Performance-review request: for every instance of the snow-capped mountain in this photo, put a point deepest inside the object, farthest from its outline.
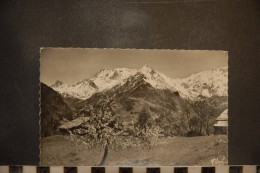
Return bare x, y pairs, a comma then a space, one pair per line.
160, 81
207, 83
103, 80
134, 93
108, 78
81, 90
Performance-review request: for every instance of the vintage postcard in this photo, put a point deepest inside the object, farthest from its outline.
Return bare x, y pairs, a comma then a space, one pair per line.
133, 107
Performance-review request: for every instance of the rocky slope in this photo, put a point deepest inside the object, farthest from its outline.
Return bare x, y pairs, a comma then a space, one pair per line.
133, 95
53, 111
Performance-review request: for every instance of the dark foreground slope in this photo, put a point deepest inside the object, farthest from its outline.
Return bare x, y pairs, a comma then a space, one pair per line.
53, 110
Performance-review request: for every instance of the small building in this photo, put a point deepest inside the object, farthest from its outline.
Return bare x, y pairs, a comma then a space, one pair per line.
221, 125
74, 124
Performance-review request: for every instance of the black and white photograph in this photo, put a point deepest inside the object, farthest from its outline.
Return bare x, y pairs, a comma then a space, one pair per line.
133, 107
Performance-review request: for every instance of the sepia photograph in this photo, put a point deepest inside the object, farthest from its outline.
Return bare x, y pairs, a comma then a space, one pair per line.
133, 107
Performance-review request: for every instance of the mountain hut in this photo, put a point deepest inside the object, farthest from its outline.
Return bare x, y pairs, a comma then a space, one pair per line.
74, 124
221, 125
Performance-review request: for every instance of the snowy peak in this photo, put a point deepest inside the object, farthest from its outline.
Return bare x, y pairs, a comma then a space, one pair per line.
149, 72
206, 83
107, 74
146, 69
161, 81
108, 78
81, 90
117, 73
87, 83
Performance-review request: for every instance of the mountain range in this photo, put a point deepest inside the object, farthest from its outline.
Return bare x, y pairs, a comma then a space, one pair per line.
208, 83
132, 90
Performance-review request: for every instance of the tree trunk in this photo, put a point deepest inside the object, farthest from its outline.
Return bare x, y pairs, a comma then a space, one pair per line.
104, 156
200, 127
207, 131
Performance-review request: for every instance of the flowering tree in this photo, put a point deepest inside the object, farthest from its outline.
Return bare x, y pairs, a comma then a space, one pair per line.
145, 118
149, 131
107, 128
105, 125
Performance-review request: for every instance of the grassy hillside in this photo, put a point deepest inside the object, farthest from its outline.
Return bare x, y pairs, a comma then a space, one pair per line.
201, 150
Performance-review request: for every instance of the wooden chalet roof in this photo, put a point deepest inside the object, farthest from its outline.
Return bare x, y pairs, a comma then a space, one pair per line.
223, 116
222, 120
74, 123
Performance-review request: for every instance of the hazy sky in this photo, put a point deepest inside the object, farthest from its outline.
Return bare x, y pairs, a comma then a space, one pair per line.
71, 65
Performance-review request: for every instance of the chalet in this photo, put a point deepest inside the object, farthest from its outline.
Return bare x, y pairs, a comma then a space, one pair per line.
74, 124
221, 125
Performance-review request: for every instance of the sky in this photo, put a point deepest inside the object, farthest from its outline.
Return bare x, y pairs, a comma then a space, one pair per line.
71, 65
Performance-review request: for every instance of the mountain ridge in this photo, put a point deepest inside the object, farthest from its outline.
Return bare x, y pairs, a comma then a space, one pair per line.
207, 83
